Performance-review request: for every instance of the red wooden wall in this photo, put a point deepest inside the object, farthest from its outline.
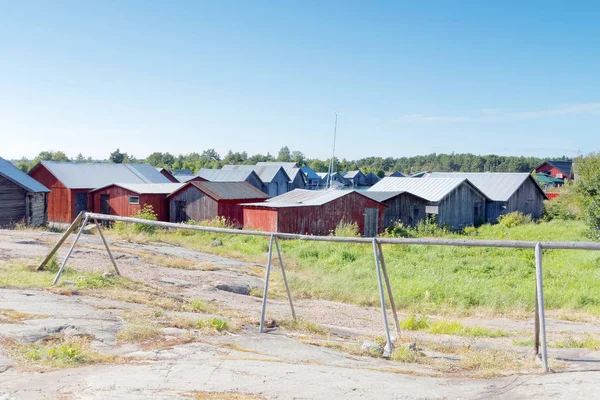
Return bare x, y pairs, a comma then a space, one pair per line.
61, 204
119, 202
549, 169
313, 220
233, 212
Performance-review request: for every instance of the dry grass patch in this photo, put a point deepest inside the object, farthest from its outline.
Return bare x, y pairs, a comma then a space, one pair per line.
303, 326
138, 333
8, 316
172, 262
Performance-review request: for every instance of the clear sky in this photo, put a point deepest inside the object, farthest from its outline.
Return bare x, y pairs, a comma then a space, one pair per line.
405, 78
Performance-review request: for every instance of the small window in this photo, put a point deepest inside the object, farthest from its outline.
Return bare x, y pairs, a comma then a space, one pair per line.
134, 199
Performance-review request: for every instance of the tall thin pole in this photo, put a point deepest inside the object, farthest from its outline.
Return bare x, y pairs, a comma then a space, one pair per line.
266, 291
332, 155
540, 298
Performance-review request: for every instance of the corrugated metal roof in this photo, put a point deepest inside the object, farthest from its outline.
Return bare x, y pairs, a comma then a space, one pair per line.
184, 178
431, 189
228, 190
309, 172
15, 175
94, 175
395, 174
221, 175
304, 198
181, 172
266, 173
380, 196
420, 174
498, 186
351, 174
147, 188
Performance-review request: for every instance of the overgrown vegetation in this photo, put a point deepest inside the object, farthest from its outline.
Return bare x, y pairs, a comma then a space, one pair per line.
58, 351
346, 229
431, 279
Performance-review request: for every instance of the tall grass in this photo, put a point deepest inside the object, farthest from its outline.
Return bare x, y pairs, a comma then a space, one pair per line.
432, 279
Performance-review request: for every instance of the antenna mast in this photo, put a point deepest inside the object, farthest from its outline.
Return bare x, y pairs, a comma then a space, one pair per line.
329, 180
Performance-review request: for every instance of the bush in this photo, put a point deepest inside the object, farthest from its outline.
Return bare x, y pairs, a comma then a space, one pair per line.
514, 219
470, 231
399, 230
590, 191
430, 228
559, 209
147, 213
346, 229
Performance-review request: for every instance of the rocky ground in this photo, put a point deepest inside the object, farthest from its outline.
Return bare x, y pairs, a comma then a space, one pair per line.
321, 359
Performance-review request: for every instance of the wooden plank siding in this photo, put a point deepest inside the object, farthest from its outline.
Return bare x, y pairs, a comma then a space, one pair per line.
61, 204
119, 202
527, 200
18, 205
278, 185
462, 207
405, 208
313, 220
298, 182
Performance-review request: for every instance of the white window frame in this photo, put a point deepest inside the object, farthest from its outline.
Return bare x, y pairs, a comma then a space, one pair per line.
131, 201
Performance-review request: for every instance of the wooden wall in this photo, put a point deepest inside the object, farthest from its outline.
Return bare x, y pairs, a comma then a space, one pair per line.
18, 205
255, 181
119, 202
528, 199
315, 220
406, 208
298, 182
278, 185
458, 209
60, 207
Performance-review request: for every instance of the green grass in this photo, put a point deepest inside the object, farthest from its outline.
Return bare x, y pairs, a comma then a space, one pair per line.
215, 323
430, 279
443, 327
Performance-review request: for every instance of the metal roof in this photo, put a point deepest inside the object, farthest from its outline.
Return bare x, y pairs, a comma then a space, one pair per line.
181, 172
94, 175
351, 174
498, 186
420, 174
184, 178
395, 174
545, 179
381, 196
304, 198
310, 173
221, 175
18, 177
266, 173
227, 190
146, 188
430, 189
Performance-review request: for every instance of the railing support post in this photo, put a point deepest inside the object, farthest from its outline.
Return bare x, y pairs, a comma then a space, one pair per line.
389, 289
285, 281
62, 267
387, 352
112, 259
62, 239
266, 290
540, 301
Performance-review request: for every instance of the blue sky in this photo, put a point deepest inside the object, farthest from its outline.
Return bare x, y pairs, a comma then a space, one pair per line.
405, 78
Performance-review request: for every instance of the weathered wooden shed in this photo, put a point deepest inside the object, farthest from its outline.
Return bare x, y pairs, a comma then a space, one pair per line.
126, 199
312, 179
508, 192
22, 198
401, 207
275, 180
455, 202
70, 183
371, 179
219, 175
297, 176
355, 178
315, 212
557, 169
200, 201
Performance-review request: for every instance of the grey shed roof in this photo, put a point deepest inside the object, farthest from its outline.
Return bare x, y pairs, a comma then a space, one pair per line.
181, 172
304, 198
498, 186
395, 174
220, 175
285, 165
266, 173
94, 175
351, 174
430, 189
184, 178
227, 190
147, 188
383, 196
310, 173
20, 178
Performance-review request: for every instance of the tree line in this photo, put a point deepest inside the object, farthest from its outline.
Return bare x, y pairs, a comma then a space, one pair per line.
379, 165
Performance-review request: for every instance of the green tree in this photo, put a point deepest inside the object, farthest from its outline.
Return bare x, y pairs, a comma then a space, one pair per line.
24, 165
588, 189
284, 154
80, 158
117, 157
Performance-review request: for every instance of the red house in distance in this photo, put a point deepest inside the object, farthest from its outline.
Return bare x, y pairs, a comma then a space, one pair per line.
557, 169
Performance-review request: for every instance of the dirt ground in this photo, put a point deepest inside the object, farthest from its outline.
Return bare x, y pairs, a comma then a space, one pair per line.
280, 364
